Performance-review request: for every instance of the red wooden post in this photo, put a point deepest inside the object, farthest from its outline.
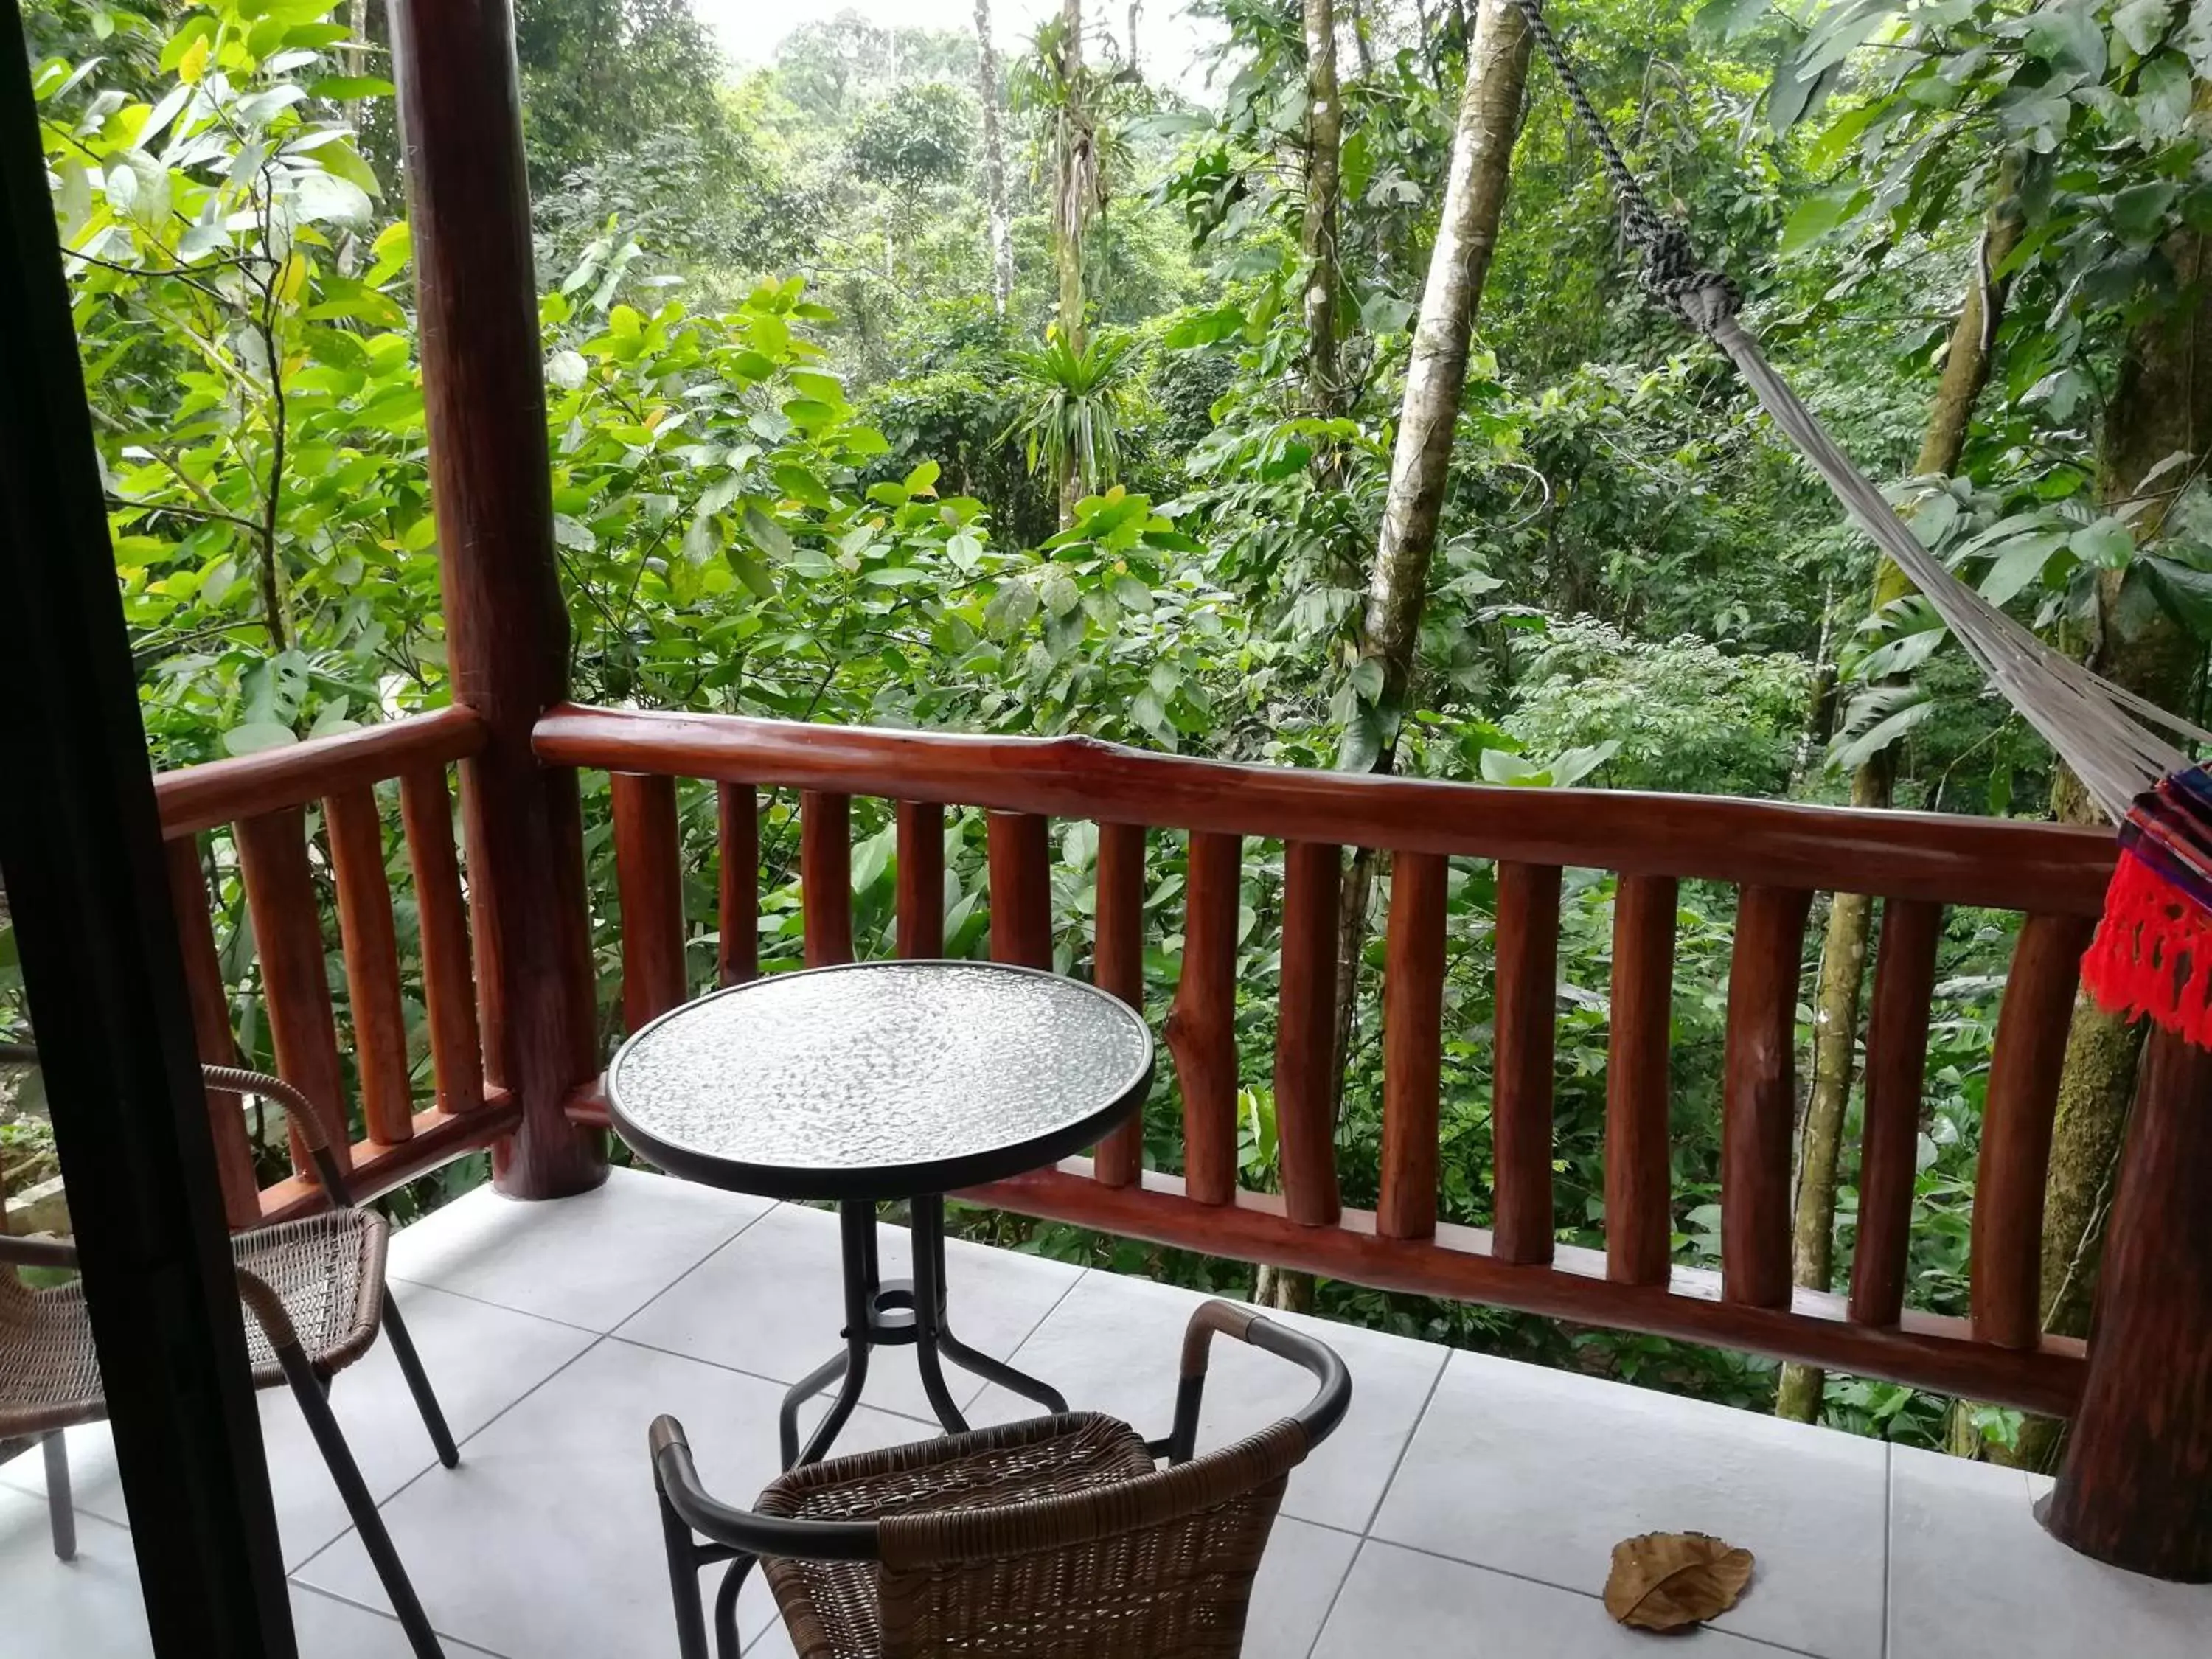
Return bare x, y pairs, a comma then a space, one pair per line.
1118, 967
506, 629
1305, 1034
456, 1051
736, 812
372, 959
1759, 1095
1018, 846
2136, 1487
826, 877
2004, 1263
1896, 1077
921, 878
288, 937
1638, 1169
216, 1043
1528, 947
1412, 1044
1201, 1024
649, 874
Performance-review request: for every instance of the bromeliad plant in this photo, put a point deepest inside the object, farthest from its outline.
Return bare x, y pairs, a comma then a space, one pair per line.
1075, 400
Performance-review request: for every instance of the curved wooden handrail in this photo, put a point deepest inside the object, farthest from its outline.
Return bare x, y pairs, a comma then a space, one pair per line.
196, 797
2046, 868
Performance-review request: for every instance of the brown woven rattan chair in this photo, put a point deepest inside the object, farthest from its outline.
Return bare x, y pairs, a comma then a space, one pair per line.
316, 1289
1057, 1538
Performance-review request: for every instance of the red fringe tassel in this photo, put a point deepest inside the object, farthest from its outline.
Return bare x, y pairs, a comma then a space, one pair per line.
2153, 953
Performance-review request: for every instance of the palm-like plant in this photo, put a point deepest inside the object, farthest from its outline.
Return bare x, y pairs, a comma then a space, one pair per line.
1074, 399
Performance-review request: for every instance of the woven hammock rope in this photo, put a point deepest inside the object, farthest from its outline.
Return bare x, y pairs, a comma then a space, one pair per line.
2152, 950
2111, 737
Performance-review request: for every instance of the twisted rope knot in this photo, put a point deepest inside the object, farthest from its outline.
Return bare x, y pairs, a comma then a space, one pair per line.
1701, 297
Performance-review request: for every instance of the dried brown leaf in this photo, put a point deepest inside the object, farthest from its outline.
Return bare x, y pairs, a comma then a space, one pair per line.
1670, 1580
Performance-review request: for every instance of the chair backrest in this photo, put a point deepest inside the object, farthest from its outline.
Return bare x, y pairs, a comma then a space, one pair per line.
1147, 1566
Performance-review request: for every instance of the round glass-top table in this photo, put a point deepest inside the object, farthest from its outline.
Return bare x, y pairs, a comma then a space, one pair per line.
881, 1080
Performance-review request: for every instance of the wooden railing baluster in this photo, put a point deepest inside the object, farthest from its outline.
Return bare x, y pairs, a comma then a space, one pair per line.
1412, 1044
1638, 1177
1527, 951
356, 826
825, 875
1118, 967
921, 878
213, 1038
426, 810
2005, 1260
288, 937
1758, 1090
1896, 1070
1305, 1034
1201, 1024
649, 881
737, 818
1019, 846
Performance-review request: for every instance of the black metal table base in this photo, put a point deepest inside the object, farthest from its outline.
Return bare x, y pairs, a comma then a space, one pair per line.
900, 1312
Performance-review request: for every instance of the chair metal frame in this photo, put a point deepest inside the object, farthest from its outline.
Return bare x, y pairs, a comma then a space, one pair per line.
739, 1537
307, 1376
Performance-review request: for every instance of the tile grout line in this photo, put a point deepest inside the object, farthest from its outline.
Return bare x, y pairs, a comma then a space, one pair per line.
670, 1286
319, 1592
759, 1376
1570, 1590
553, 1319
1398, 1462
1888, 1537
1336, 1595
1015, 1352
474, 1434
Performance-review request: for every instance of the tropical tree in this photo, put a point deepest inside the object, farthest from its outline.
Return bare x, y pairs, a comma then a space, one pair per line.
1076, 398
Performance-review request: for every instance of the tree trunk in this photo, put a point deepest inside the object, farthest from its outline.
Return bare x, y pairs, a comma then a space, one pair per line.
1843, 951
1000, 228
2161, 403
1135, 7
1071, 208
1436, 374
1363, 41
1317, 232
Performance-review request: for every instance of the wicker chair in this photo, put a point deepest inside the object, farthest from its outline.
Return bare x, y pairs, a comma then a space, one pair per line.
1057, 1538
316, 1289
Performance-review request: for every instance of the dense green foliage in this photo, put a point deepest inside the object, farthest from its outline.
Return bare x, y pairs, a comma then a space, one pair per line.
803, 466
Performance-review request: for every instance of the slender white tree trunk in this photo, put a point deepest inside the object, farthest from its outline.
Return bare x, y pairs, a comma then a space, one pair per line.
1317, 234
1436, 374
1000, 227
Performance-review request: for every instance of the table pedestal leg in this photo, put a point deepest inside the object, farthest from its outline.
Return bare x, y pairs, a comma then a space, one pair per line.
933, 1337
893, 1313
856, 1224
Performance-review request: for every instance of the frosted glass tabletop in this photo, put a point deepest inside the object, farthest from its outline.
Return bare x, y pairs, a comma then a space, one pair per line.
879, 1079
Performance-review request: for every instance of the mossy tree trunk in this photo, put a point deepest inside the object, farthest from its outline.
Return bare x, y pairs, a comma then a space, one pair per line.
2161, 403
998, 227
1488, 123
1851, 915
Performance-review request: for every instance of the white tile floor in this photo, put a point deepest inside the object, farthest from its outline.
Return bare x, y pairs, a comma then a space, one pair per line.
1465, 1511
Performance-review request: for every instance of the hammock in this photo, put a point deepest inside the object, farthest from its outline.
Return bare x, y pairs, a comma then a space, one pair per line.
2153, 950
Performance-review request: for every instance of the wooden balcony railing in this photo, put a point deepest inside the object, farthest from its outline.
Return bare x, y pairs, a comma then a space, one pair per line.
2132, 1491
1777, 856
250, 815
